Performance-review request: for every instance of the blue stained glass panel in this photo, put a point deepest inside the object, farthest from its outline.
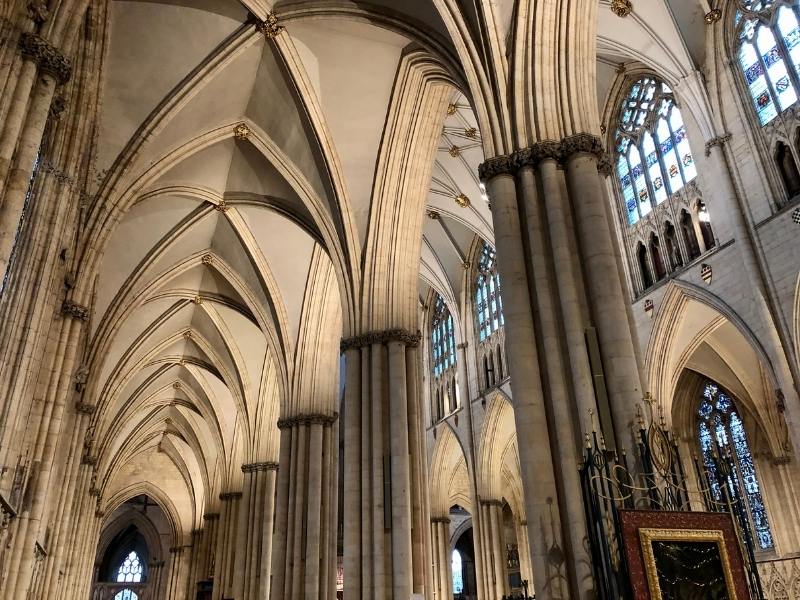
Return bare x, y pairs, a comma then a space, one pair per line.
721, 433
757, 83
790, 30
776, 67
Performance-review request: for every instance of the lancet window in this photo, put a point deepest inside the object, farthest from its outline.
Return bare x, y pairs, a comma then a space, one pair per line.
488, 304
653, 158
443, 341
729, 461
768, 38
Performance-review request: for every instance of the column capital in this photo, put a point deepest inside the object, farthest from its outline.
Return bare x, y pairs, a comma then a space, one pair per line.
211, 516
444, 520
259, 466
582, 143
75, 310
536, 153
720, 140
225, 496
492, 502
499, 165
381, 337
176, 550
49, 58
310, 419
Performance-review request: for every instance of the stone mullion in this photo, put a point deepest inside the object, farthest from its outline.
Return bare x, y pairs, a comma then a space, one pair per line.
536, 463
63, 509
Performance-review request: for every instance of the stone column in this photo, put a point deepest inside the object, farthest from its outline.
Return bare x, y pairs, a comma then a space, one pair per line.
255, 530
299, 561
384, 487
607, 299
558, 394
55, 385
493, 509
226, 545
443, 576
530, 411
176, 584
53, 68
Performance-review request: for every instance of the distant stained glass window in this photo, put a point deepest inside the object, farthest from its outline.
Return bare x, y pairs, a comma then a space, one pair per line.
488, 304
722, 437
443, 342
653, 158
130, 571
768, 35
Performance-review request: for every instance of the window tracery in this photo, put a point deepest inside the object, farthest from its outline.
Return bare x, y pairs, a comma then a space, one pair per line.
653, 158
722, 437
768, 50
443, 341
131, 569
488, 304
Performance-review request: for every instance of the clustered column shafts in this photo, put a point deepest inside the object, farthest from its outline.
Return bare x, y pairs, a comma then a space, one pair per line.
442, 566
304, 554
385, 511
543, 220
226, 545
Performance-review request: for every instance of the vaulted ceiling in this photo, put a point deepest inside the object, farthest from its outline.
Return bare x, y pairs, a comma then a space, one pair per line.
244, 187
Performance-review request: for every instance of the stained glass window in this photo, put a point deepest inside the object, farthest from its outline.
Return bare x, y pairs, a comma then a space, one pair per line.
653, 156
458, 573
443, 341
130, 571
126, 595
722, 438
769, 54
488, 304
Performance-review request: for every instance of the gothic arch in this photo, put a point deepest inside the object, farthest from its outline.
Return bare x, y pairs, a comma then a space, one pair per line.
696, 331
449, 479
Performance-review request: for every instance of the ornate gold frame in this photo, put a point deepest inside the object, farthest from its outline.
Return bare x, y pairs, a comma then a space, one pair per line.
648, 536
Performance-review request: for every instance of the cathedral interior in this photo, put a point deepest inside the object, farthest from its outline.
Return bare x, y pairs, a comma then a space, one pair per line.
430, 299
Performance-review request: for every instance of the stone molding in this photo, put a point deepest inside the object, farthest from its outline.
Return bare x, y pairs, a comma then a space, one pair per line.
88, 459
492, 503
176, 550
717, 141
94, 492
225, 496
74, 310
85, 408
211, 516
381, 337
259, 466
49, 58
444, 520
312, 419
561, 152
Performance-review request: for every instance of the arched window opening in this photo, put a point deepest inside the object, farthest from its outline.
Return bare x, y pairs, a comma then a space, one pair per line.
673, 251
492, 378
130, 571
458, 572
443, 344
486, 372
769, 55
126, 594
723, 441
787, 168
653, 157
488, 304
499, 364
690, 235
704, 220
644, 269
655, 256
